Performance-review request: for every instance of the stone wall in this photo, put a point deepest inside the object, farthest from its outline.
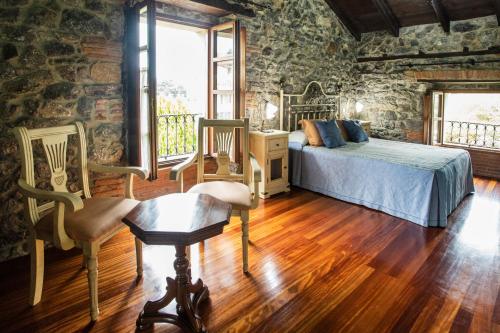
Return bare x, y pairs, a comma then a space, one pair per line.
290, 43
392, 99
60, 61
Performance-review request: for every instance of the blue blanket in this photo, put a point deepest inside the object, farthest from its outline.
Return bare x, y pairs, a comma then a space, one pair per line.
422, 184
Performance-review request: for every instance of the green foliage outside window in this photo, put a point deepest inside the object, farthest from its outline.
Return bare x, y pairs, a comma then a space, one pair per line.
176, 128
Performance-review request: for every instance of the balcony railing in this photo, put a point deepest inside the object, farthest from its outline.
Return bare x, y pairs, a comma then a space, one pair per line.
176, 135
472, 134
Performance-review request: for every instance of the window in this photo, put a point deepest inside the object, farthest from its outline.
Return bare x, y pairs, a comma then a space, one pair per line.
178, 70
470, 119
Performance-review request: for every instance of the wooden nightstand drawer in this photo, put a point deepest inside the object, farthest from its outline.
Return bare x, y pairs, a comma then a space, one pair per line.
277, 144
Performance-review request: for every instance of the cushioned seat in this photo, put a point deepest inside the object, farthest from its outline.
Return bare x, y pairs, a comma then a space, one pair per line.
99, 218
237, 194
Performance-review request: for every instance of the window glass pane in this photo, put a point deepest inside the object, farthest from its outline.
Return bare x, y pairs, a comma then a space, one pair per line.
143, 60
436, 135
223, 106
436, 104
182, 74
224, 43
143, 27
472, 119
224, 75
143, 86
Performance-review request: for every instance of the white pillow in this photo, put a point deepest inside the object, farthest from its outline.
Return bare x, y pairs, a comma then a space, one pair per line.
298, 137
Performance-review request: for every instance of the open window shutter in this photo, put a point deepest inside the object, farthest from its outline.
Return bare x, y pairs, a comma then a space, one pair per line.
133, 87
141, 85
153, 129
428, 119
436, 126
226, 75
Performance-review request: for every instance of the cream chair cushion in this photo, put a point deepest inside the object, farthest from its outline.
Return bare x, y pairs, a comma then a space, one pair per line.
99, 218
237, 194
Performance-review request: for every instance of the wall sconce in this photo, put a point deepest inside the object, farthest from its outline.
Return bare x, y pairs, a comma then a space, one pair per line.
359, 107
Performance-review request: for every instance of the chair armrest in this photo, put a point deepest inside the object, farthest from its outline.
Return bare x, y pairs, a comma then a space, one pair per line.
257, 177
73, 201
176, 171
138, 171
257, 173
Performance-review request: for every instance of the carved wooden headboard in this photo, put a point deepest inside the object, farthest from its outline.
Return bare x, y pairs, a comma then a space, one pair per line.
313, 103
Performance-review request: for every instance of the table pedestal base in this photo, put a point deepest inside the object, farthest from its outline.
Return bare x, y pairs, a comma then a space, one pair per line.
179, 289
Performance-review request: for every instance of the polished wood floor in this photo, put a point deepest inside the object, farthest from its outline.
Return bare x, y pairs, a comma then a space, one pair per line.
317, 265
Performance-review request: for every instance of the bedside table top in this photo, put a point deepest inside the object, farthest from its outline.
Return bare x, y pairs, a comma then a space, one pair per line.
270, 134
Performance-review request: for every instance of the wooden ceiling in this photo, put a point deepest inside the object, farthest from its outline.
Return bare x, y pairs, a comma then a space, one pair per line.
361, 16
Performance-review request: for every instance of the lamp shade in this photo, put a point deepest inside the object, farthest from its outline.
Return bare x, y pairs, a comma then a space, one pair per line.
271, 110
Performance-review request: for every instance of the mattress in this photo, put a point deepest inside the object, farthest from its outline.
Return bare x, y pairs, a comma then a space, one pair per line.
419, 183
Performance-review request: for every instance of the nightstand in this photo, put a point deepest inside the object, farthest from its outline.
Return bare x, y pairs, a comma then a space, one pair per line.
271, 151
367, 126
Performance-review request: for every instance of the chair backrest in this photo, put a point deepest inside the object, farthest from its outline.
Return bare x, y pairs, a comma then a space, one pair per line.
55, 145
223, 134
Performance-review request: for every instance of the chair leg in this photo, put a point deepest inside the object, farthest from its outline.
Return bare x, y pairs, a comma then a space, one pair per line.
84, 262
244, 238
37, 267
138, 255
90, 251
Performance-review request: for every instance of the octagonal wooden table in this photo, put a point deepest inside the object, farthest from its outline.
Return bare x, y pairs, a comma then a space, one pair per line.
180, 220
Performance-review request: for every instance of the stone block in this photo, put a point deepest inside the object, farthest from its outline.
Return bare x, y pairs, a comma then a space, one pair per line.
17, 85
85, 106
106, 152
16, 33
102, 49
56, 109
9, 51
40, 16
32, 56
82, 22
59, 90
57, 48
106, 72
9, 14
106, 90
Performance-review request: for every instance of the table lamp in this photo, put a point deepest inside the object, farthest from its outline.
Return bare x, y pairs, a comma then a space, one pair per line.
270, 111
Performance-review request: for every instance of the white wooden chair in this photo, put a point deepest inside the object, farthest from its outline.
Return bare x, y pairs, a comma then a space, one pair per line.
240, 190
67, 220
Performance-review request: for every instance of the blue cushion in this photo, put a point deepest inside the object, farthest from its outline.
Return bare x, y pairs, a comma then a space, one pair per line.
330, 133
355, 131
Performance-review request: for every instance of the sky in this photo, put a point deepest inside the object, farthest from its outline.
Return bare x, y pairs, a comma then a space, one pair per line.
181, 57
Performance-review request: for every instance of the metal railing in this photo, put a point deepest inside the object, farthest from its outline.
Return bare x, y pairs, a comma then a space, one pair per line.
176, 135
472, 134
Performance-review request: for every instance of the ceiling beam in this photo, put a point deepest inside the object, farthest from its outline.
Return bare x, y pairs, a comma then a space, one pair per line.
497, 9
390, 19
441, 14
346, 20
234, 8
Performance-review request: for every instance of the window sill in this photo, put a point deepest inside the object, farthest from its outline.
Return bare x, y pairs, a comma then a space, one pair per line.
171, 163
480, 149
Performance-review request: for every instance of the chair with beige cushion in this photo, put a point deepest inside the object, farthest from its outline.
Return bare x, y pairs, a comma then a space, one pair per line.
238, 189
67, 219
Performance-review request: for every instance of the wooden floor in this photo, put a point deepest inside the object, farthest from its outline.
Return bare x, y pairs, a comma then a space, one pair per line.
317, 265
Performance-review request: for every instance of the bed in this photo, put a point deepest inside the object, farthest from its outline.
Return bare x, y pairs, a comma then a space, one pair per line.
419, 183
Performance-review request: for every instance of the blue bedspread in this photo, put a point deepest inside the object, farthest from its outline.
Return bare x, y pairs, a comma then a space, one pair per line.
422, 184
